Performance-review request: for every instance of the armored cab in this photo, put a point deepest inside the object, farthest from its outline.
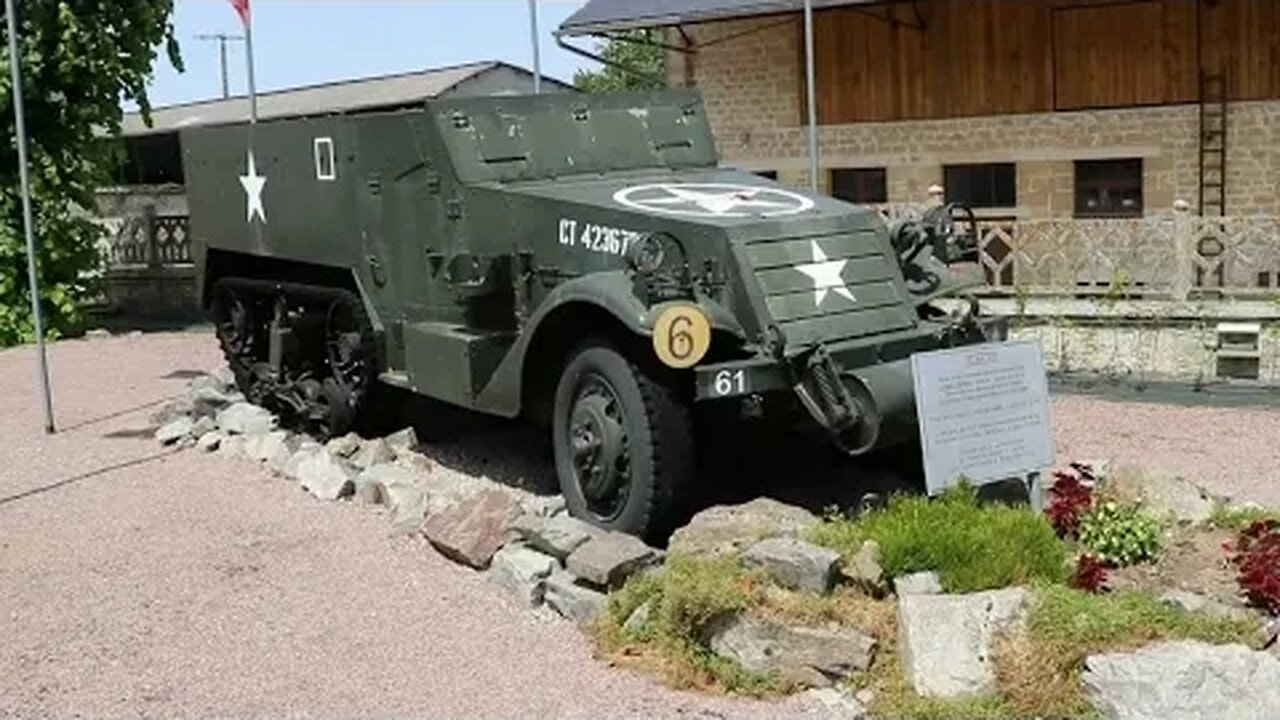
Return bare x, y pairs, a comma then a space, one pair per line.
578, 260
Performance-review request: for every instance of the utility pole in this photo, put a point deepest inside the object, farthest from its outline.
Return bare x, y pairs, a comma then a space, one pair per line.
223, 39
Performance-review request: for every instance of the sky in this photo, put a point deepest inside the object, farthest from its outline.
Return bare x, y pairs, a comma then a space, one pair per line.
301, 42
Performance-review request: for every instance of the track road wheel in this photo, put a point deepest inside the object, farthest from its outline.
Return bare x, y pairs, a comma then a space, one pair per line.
234, 326
623, 443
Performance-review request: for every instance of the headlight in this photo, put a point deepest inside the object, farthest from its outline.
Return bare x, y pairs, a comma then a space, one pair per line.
647, 253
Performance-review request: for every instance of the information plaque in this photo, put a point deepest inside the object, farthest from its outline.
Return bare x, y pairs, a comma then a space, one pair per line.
983, 413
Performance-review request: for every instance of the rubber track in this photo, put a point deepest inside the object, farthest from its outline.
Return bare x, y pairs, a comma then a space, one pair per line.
260, 289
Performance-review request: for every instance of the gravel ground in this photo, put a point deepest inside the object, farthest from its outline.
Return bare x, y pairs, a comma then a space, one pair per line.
1232, 451
140, 583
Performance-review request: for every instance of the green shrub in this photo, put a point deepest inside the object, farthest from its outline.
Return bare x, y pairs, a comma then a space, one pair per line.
971, 545
1239, 518
683, 597
1120, 533
1038, 674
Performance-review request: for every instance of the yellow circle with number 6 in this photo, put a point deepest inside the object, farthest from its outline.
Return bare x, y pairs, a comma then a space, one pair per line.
681, 336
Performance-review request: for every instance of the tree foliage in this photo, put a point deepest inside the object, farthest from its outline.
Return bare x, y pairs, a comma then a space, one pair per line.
632, 52
79, 60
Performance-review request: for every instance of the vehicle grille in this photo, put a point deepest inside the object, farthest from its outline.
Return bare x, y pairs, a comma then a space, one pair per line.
867, 274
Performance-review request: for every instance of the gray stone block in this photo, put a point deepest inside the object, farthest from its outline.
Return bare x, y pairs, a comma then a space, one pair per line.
794, 564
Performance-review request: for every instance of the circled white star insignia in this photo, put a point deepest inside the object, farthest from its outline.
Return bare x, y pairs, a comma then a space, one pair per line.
712, 200
825, 275
253, 183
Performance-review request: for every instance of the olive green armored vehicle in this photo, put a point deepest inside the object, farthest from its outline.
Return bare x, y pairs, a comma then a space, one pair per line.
578, 260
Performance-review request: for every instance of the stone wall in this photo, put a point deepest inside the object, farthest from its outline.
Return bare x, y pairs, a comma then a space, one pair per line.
1140, 341
752, 78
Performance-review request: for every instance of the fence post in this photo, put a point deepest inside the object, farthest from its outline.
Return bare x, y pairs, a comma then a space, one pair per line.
1183, 230
152, 247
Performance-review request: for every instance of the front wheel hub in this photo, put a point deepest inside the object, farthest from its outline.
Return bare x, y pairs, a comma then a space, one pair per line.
597, 440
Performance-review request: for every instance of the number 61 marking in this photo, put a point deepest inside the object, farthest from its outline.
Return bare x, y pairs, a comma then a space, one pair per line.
730, 382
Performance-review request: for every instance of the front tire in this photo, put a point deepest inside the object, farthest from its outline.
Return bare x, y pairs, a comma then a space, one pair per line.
623, 443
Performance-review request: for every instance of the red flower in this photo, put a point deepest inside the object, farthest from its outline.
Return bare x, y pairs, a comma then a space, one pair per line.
1256, 555
1091, 574
1068, 500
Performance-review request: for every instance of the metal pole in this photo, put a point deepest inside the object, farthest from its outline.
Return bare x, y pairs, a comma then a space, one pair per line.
533, 39
253, 89
222, 55
811, 95
223, 39
28, 226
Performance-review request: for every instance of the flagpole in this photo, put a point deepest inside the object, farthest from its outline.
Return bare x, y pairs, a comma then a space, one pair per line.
27, 225
533, 39
248, 48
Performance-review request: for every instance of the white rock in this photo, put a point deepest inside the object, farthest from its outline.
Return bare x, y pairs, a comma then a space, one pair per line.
609, 559
557, 536
267, 445
726, 529
794, 564
815, 656
921, 583
244, 418
1184, 680
210, 441
638, 618
202, 426
1191, 602
946, 640
174, 431
403, 442
372, 452
325, 476
398, 488
345, 446
573, 601
231, 445
838, 701
521, 572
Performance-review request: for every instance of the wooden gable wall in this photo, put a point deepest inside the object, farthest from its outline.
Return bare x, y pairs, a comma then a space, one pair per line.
988, 57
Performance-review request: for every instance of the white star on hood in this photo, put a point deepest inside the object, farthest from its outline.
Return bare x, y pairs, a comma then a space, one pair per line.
825, 275
253, 183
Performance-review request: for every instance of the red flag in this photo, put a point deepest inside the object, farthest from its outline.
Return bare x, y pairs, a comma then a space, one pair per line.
242, 7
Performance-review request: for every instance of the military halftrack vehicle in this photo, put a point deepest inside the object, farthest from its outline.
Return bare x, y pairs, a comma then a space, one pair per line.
578, 260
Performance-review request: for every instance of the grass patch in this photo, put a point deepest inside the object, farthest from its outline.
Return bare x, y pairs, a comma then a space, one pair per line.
1239, 518
971, 545
1039, 674
686, 594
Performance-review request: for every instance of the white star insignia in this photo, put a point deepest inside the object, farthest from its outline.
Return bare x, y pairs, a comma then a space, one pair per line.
825, 275
253, 183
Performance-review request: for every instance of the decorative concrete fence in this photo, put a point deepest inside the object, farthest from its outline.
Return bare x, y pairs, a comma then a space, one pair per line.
1173, 255
146, 254
1167, 297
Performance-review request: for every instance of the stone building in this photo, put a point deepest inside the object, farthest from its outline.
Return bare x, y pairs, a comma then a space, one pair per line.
1123, 153
1026, 108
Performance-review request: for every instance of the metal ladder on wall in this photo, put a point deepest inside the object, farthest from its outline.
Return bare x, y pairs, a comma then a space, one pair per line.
1213, 144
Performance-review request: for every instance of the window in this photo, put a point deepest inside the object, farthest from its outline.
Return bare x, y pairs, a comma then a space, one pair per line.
982, 186
325, 169
770, 174
1109, 188
864, 186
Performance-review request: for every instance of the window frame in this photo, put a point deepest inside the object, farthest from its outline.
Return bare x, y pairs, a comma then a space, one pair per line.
949, 173
1080, 186
333, 163
860, 178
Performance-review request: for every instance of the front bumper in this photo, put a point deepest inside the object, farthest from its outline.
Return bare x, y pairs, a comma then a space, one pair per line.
861, 393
